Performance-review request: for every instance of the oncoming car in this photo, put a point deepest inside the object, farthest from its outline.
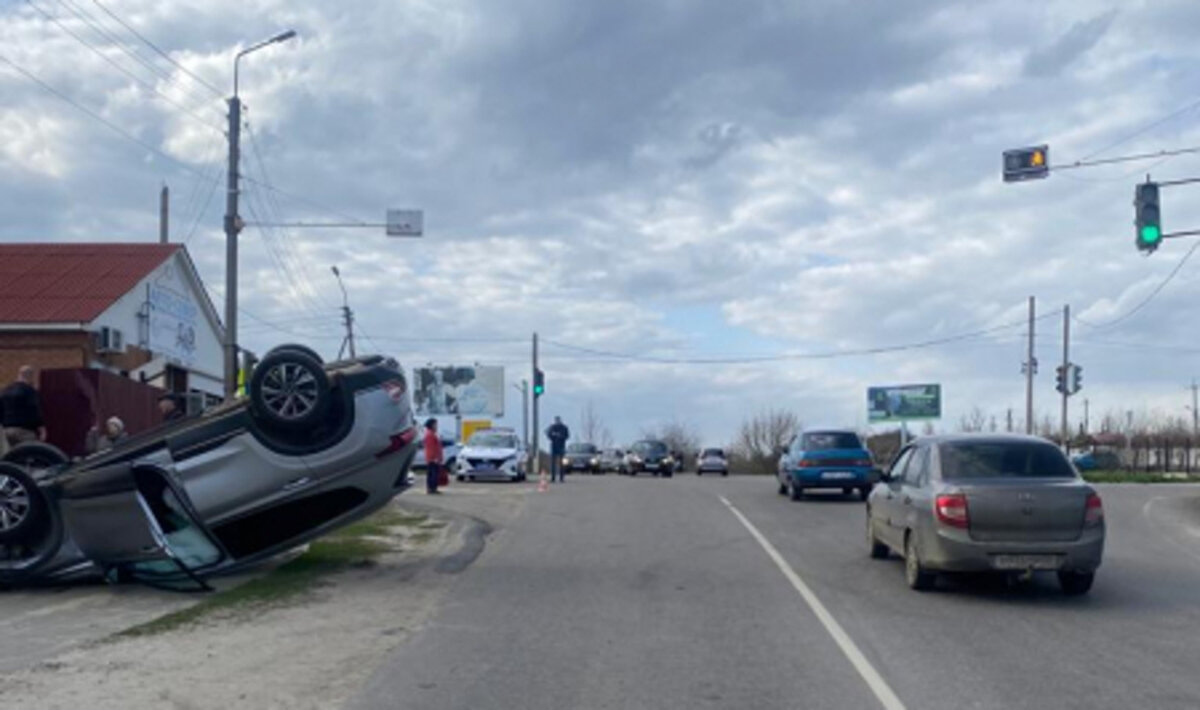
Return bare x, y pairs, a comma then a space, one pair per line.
582, 457
987, 503
495, 454
649, 456
312, 448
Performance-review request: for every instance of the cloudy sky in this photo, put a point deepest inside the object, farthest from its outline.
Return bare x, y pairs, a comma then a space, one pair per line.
705, 209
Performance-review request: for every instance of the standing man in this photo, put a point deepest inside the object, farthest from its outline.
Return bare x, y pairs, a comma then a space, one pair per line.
558, 433
433, 456
21, 410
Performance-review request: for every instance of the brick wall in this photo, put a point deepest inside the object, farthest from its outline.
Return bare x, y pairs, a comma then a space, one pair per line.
43, 350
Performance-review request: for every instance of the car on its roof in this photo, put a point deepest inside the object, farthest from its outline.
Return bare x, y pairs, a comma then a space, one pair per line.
1008, 504
311, 448
831, 459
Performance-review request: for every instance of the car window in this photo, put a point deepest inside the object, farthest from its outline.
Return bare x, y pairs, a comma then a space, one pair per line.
712, 452
493, 440
650, 447
897, 470
581, 449
830, 440
917, 471
1003, 459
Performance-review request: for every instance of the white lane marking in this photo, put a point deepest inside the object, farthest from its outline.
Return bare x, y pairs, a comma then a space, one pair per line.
887, 698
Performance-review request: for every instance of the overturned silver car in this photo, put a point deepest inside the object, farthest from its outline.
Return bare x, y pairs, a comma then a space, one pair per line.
313, 447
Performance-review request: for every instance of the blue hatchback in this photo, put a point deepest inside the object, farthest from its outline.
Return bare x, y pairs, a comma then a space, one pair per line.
829, 459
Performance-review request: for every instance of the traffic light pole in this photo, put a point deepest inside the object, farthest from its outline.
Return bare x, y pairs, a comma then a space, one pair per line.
535, 458
1030, 367
1066, 390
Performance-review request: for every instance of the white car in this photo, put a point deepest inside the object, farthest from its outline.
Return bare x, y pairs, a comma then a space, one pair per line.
494, 454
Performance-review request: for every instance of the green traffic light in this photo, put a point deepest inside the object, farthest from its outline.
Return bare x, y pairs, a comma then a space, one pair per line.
1151, 234
539, 390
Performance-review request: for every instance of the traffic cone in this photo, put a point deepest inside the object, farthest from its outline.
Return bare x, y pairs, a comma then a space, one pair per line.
543, 484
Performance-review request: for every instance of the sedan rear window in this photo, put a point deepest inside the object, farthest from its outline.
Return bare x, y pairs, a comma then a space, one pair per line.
581, 449
830, 440
712, 452
1003, 459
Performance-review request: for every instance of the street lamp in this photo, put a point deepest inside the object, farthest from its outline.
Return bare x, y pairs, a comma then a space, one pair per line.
233, 223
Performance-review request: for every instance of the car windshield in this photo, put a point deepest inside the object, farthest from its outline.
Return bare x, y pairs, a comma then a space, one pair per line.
581, 449
1003, 459
712, 452
656, 448
493, 440
830, 440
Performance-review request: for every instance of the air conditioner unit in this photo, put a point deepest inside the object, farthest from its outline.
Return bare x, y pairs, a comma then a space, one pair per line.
110, 340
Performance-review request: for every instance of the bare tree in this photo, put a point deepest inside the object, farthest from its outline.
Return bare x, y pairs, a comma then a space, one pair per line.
760, 437
973, 421
591, 428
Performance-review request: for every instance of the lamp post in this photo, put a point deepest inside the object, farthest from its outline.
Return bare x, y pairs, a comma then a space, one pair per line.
233, 223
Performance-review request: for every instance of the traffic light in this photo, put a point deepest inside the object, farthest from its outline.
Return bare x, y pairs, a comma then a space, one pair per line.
1031, 163
1148, 217
539, 383
1076, 378
1060, 379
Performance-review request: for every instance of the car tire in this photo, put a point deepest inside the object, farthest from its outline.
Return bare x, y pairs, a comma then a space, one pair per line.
795, 492
879, 551
915, 574
289, 390
1076, 584
295, 348
725, 472
35, 456
461, 478
23, 509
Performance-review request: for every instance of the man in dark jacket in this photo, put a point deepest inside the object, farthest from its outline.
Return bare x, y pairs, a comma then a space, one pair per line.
21, 410
558, 433
171, 406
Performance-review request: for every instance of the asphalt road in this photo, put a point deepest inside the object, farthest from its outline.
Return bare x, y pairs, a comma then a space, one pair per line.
613, 592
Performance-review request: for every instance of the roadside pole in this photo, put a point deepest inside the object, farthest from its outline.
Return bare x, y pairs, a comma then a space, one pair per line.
535, 458
1066, 390
525, 411
1029, 368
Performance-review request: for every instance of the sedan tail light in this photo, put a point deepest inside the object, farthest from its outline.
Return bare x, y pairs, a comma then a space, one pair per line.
808, 463
951, 509
864, 463
1094, 514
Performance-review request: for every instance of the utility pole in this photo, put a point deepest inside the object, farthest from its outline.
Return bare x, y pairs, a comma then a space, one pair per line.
347, 316
1010, 421
1087, 429
1030, 369
525, 410
164, 207
232, 227
533, 435
1066, 364
1195, 412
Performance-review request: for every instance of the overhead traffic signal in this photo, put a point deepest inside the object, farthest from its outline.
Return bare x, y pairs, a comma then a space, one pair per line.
1060, 379
539, 383
1148, 221
1026, 163
1076, 379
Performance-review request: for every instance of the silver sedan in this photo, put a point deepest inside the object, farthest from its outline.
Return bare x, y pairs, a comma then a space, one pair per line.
977, 503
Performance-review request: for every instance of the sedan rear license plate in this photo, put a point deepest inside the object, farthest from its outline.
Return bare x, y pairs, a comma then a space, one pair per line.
836, 475
1021, 562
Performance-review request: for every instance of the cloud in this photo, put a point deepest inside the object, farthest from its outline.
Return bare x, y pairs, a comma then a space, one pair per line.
1074, 43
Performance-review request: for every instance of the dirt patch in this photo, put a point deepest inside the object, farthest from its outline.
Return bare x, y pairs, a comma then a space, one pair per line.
304, 636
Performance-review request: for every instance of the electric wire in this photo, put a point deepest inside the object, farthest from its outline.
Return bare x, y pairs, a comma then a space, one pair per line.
156, 49
1145, 301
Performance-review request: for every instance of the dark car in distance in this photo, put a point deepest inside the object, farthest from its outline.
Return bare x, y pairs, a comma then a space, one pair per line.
582, 457
650, 456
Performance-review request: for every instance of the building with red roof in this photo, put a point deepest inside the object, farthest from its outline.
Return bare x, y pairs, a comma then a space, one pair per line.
139, 310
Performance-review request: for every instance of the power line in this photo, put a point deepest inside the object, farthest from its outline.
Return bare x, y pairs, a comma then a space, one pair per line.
305, 200
1158, 289
160, 52
833, 354
122, 69
1145, 129
127, 135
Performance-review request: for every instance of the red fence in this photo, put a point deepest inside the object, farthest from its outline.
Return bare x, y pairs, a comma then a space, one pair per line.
74, 400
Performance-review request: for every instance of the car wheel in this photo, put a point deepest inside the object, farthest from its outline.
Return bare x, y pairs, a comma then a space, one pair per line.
699, 472
295, 348
879, 551
290, 390
795, 492
725, 472
23, 510
915, 574
461, 478
1076, 583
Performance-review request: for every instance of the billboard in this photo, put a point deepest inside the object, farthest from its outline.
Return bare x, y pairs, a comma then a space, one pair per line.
174, 318
904, 403
476, 390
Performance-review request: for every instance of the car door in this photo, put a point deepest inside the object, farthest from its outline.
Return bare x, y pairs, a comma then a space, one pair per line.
883, 509
913, 500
